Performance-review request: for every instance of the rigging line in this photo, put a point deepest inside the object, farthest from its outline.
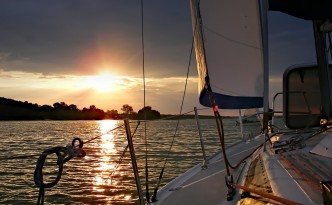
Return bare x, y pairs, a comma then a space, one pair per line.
203, 108
37, 155
177, 124
122, 155
178, 115
174, 116
144, 93
98, 137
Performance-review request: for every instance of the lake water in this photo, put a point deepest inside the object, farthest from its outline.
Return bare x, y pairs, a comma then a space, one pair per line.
96, 178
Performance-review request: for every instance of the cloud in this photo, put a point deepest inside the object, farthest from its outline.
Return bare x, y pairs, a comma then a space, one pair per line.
48, 48
161, 93
77, 37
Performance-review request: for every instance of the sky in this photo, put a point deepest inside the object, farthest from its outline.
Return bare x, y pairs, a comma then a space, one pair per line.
87, 52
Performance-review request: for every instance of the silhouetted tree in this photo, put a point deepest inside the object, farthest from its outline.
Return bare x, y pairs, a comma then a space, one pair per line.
72, 107
148, 113
113, 114
127, 109
17, 110
46, 108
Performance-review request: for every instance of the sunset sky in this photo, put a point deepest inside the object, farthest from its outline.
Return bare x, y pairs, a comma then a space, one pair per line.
87, 52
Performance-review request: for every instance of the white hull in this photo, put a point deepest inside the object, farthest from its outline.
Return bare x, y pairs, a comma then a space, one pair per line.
272, 174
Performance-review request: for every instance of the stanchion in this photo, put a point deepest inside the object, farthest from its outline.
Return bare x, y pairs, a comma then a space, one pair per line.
133, 161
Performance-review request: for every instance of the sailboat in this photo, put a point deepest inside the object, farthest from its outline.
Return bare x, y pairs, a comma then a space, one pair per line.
249, 116
279, 166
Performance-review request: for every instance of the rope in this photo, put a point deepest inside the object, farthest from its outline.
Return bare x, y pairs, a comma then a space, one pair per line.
64, 154
178, 115
222, 140
267, 195
36, 155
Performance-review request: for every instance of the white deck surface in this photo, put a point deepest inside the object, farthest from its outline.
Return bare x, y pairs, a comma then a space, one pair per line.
204, 186
207, 186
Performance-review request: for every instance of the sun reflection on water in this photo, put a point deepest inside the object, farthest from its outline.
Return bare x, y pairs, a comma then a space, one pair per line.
107, 161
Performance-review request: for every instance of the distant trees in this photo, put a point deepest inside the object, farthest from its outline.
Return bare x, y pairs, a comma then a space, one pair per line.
145, 113
93, 113
61, 105
148, 113
17, 110
127, 109
113, 114
46, 108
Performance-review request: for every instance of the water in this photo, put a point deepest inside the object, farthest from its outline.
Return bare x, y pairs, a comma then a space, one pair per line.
95, 179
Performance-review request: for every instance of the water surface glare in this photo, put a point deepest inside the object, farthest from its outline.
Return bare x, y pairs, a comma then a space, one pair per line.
102, 176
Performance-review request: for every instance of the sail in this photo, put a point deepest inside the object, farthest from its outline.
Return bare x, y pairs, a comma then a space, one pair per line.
228, 52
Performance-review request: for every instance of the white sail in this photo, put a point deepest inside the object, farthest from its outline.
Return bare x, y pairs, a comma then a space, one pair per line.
228, 50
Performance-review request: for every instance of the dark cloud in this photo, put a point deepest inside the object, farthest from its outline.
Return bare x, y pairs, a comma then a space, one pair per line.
291, 42
54, 36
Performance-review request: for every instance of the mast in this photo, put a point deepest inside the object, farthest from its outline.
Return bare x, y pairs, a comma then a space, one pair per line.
263, 7
323, 69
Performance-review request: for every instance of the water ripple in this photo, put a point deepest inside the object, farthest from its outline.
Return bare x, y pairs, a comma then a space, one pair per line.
93, 179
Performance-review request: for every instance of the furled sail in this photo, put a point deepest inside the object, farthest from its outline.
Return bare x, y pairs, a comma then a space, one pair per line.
228, 52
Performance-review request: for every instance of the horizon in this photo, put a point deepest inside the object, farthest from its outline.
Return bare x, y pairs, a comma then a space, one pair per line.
90, 53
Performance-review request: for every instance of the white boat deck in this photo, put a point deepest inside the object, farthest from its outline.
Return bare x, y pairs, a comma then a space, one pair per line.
204, 186
280, 175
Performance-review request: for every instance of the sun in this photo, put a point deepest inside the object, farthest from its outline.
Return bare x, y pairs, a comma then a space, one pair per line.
102, 82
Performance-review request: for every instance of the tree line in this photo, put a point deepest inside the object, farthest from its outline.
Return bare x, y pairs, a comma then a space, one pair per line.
17, 110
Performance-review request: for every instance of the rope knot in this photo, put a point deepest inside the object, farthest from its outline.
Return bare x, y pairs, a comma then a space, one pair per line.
75, 152
64, 154
72, 151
